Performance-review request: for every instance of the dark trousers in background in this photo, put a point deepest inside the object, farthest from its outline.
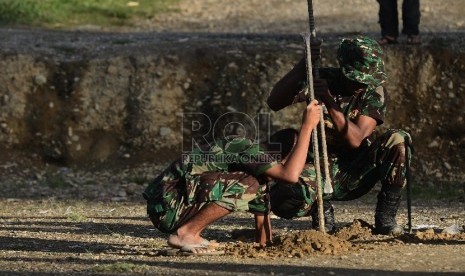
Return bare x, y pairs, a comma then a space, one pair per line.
388, 17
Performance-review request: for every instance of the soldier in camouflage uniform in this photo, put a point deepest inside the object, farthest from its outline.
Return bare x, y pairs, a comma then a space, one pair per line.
212, 181
354, 104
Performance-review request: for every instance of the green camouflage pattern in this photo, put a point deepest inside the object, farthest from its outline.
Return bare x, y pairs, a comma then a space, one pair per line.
228, 173
382, 160
371, 103
361, 60
230, 152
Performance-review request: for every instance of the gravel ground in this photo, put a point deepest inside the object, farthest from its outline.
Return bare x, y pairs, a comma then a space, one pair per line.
290, 16
42, 237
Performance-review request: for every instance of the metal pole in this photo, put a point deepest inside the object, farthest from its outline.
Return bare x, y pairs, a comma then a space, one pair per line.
311, 20
409, 188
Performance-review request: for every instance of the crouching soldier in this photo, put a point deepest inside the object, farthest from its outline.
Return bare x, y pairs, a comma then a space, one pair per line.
209, 183
354, 104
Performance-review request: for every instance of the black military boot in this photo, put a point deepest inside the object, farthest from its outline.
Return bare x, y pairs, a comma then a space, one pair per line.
330, 225
385, 216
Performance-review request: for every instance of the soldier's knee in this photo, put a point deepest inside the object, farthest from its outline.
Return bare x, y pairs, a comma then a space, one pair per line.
397, 137
398, 142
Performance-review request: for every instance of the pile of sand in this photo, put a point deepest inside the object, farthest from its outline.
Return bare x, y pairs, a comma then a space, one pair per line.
303, 243
358, 235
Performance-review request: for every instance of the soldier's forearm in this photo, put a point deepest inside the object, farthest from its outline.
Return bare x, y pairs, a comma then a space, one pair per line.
284, 92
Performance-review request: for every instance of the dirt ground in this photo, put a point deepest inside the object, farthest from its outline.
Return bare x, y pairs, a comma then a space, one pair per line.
93, 222
68, 237
290, 16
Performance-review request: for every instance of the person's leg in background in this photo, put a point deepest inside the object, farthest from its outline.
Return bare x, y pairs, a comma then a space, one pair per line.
389, 22
411, 21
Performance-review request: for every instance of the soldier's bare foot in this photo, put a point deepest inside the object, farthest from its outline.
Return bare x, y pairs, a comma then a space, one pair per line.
177, 241
195, 249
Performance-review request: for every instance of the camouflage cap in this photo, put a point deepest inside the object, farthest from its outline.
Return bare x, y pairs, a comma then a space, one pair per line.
360, 60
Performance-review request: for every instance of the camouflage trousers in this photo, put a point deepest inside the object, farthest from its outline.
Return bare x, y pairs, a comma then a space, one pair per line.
383, 160
178, 201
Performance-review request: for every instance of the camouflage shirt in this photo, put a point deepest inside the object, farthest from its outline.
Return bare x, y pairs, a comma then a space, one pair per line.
229, 155
371, 103
232, 159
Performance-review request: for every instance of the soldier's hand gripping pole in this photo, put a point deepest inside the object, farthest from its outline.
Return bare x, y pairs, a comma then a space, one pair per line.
312, 70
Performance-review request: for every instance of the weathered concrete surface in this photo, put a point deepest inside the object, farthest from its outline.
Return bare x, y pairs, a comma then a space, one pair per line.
75, 97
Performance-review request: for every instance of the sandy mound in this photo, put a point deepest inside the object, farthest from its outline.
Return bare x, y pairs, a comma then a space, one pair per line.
349, 238
303, 243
